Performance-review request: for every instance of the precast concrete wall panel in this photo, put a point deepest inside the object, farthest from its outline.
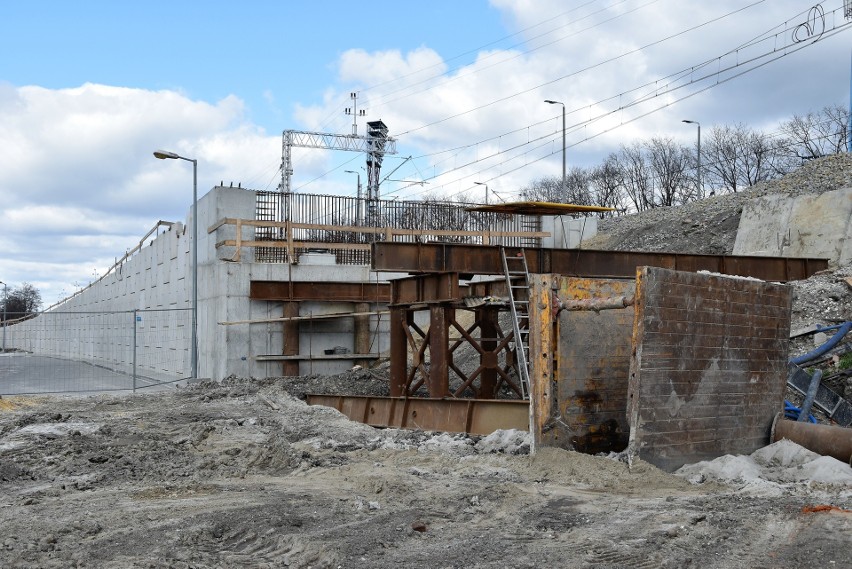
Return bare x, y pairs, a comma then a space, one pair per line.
709, 365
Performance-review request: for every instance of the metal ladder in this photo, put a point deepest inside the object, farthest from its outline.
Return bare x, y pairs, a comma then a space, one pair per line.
517, 279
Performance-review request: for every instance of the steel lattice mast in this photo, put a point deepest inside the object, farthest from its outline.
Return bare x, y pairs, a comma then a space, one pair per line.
376, 144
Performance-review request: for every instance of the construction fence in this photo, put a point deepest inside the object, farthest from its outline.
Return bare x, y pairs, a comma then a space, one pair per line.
67, 352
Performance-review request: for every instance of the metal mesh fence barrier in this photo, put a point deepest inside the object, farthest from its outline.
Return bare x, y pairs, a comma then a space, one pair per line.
63, 352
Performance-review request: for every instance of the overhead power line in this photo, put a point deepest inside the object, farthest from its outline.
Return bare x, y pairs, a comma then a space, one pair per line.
768, 56
335, 114
582, 70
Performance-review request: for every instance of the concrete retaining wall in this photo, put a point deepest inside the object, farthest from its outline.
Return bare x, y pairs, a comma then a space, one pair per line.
97, 325
817, 226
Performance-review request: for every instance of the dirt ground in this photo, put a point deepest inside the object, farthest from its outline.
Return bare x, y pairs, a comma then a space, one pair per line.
244, 474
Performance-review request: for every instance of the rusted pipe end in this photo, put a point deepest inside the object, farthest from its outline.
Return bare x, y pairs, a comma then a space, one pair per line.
778, 417
827, 440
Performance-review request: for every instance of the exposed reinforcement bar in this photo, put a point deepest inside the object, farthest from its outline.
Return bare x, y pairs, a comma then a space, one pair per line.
472, 416
485, 260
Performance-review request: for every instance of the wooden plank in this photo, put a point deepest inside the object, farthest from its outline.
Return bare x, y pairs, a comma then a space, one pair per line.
300, 318
307, 357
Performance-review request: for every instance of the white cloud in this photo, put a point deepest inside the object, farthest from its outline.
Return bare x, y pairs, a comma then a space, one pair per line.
79, 184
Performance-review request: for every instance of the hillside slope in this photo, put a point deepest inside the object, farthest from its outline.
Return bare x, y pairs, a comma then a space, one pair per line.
710, 226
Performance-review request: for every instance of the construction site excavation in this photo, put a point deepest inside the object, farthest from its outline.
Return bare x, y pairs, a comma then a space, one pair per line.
384, 383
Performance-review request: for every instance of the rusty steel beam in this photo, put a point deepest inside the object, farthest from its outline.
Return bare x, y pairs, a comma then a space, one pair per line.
485, 260
424, 289
320, 291
290, 368
471, 416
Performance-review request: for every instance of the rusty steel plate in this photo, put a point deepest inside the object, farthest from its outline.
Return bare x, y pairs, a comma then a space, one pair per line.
471, 416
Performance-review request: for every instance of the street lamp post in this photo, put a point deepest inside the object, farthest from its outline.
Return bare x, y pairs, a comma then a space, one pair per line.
700, 186
486, 190
358, 220
548, 101
5, 304
163, 155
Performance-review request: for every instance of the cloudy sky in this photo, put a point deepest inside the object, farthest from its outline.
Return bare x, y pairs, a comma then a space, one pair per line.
88, 89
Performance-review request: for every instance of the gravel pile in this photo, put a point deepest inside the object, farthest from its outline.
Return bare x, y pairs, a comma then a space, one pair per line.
825, 298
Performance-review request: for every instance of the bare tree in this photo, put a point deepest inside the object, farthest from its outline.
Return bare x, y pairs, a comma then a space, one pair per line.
636, 174
607, 181
720, 158
547, 189
669, 164
577, 188
762, 158
817, 134
738, 157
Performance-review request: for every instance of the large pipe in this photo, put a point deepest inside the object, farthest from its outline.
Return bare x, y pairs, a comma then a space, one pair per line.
596, 304
822, 439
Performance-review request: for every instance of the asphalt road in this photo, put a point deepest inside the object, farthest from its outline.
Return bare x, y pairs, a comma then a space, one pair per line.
22, 373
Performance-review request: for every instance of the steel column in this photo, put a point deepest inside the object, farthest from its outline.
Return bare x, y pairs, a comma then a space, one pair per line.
399, 351
542, 351
290, 328
439, 339
362, 331
489, 327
